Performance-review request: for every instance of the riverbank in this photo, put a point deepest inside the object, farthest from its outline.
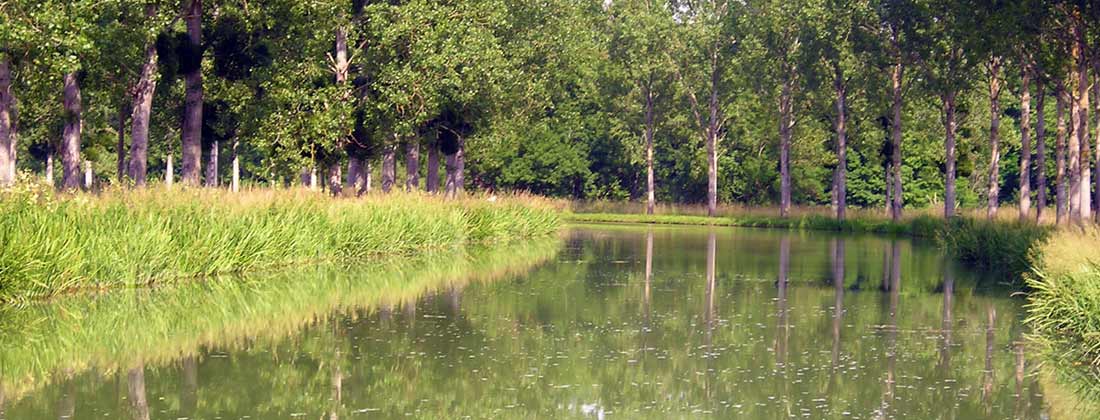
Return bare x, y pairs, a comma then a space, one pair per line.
56, 244
1005, 247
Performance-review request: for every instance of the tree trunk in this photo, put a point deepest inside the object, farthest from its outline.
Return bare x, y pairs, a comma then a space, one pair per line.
1096, 173
136, 386
120, 147
889, 189
650, 127
366, 177
49, 167
355, 175
211, 180
334, 180
169, 172
840, 177
7, 124
89, 176
895, 140
456, 167
1025, 144
235, 186
1061, 165
313, 178
433, 168
993, 190
389, 167
1077, 122
412, 165
1040, 150
191, 134
712, 137
141, 108
70, 138
785, 117
949, 200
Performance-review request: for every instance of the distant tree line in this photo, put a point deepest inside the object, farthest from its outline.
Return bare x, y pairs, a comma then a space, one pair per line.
891, 103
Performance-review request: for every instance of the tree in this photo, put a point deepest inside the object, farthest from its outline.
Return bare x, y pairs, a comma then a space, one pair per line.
640, 45
900, 24
709, 42
191, 68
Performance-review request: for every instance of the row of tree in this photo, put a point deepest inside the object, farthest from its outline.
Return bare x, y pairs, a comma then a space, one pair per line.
849, 102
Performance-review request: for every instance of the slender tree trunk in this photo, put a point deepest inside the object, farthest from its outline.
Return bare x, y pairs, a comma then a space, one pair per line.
88, 175
136, 387
650, 128
1061, 159
141, 108
366, 177
235, 186
389, 167
191, 134
335, 179
949, 200
1086, 154
169, 171
1096, 173
49, 167
895, 140
7, 124
313, 181
889, 189
412, 165
211, 180
712, 137
120, 147
355, 174
70, 138
1040, 150
785, 117
840, 177
1025, 143
432, 184
993, 191
456, 167
1077, 123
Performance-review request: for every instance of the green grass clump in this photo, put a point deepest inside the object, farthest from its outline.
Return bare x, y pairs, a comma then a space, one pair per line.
53, 244
1064, 303
1005, 247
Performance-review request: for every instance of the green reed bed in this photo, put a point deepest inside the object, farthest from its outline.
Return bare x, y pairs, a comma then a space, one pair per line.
54, 244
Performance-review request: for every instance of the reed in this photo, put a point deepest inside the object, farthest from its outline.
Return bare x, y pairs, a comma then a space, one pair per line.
55, 244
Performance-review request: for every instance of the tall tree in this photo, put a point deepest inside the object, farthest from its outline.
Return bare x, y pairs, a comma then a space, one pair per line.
900, 23
191, 67
7, 123
702, 71
640, 45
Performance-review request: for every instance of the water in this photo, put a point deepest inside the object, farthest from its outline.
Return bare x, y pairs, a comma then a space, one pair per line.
617, 321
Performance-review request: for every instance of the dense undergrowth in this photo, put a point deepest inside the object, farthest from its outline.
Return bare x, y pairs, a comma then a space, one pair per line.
54, 244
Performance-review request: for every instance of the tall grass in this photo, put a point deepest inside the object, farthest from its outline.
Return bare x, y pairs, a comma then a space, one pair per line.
55, 244
1064, 305
1004, 247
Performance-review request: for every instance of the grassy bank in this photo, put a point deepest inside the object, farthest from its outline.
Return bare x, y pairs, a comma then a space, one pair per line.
54, 244
1064, 307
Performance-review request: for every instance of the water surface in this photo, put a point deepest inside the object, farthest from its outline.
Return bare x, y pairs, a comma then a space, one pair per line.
615, 321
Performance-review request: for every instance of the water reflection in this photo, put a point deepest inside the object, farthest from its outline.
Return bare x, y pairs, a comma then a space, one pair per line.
634, 323
135, 385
